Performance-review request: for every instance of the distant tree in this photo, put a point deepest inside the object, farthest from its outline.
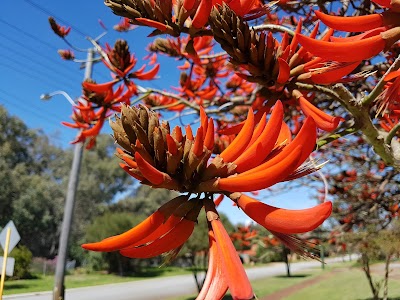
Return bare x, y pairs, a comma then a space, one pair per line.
109, 224
376, 245
29, 193
144, 200
100, 179
33, 181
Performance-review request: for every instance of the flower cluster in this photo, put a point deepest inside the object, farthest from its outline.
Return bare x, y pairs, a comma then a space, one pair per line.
61, 31
389, 101
99, 101
260, 156
174, 17
380, 32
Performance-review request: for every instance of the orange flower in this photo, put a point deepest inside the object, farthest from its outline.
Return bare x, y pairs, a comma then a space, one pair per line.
370, 44
124, 25
66, 54
61, 31
255, 159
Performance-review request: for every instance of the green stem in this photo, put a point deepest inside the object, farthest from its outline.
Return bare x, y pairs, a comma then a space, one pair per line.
334, 136
392, 133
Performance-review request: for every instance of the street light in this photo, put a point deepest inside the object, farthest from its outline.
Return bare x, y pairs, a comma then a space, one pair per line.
48, 96
59, 288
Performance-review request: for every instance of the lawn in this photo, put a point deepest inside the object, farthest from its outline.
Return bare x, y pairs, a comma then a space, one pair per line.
270, 285
45, 283
342, 282
347, 284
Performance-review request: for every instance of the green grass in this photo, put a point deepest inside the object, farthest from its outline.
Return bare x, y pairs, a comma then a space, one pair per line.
45, 283
350, 284
263, 287
344, 283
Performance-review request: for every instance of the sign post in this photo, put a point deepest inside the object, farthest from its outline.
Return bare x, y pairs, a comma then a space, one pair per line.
9, 238
3, 270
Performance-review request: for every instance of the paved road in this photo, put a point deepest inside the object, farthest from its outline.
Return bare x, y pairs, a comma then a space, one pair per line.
160, 288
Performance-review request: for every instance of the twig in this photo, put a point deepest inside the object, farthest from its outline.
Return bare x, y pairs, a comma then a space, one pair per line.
392, 133
380, 85
274, 28
335, 136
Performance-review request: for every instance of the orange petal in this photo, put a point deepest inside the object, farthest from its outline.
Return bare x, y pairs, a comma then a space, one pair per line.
306, 138
75, 125
361, 36
188, 4
392, 75
294, 43
334, 74
203, 119
351, 24
127, 169
219, 200
383, 3
198, 143
149, 74
177, 134
98, 87
140, 231
173, 239
342, 52
171, 145
152, 174
209, 139
160, 26
160, 231
203, 12
215, 285
285, 220
258, 130
189, 133
127, 238
285, 135
260, 149
241, 141
284, 71
130, 162
236, 128
95, 130
263, 178
235, 275
322, 119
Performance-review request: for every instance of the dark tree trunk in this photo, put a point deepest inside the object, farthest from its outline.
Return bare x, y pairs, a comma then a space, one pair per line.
375, 287
386, 280
285, 253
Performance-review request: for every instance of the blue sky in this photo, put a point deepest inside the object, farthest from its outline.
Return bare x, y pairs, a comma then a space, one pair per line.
30, 66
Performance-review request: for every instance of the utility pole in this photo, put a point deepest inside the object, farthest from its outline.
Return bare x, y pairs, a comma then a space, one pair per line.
59, 288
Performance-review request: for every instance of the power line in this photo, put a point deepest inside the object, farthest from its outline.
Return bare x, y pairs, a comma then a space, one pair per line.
44, 80
25, 46
41, 54
39, 63
39, 115
38, 112
39, 108
29, 35
35, 72
49, 13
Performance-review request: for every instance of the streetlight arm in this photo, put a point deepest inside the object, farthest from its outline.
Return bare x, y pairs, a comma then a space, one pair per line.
48, 96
